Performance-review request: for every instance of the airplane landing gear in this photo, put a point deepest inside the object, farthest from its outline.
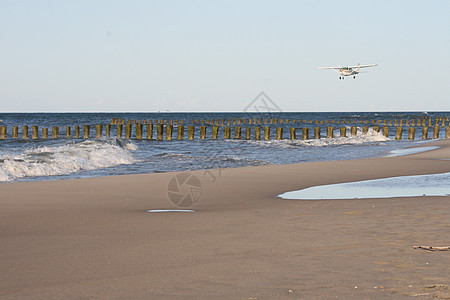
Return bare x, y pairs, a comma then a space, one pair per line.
354, 77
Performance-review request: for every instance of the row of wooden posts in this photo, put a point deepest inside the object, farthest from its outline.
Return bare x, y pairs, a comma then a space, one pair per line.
438, 121
239, 132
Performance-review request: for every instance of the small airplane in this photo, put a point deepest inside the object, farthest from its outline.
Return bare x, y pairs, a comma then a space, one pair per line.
348, 71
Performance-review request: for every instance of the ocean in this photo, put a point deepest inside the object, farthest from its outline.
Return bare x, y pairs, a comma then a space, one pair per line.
64, 158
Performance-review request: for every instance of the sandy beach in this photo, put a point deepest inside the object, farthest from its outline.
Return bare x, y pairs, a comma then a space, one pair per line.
94, 239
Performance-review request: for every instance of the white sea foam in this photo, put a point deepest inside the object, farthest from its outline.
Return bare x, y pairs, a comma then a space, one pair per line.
69, 158
370, 137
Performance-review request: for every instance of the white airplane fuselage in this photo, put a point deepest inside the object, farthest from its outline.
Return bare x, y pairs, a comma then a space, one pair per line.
348, 72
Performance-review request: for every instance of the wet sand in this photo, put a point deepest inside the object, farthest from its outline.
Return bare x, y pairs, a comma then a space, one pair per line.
93, 238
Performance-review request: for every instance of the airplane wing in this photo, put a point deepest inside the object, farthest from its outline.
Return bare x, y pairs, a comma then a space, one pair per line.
333, 68
363, 66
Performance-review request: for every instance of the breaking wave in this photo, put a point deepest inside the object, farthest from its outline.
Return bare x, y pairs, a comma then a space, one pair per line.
69, 158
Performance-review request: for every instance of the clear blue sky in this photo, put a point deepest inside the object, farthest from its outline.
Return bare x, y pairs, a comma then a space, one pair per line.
219, 55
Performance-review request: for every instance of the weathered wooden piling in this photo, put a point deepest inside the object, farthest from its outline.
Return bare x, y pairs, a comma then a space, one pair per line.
55, 132
257, 133
180, 132
215, 132
149, 131
343, 131
386, 131
86, 131
317, 134
447, 132
160, 132
45, 133
279, 133
365, 130
68, 134
227, 132
34, 132
15, 134
411, 133
169, 131
3, 135
202, 132
376, 128
139, 131
191, 131
128, 128
292, 133
77, 131
237, 132
107, 130
424, 133
248, 132
436, 132
25, 132
305, 133
353, 131
398, 133
267, 132
119, 129
330, 132
98, 131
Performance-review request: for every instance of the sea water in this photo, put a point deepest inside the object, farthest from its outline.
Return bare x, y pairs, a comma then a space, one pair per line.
62, 158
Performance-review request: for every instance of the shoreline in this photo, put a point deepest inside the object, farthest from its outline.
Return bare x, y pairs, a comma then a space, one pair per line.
93, 237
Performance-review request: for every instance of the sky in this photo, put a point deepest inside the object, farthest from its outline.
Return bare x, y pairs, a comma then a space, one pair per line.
201, 56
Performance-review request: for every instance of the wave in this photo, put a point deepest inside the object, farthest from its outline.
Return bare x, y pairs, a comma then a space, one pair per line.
370, 137
69, 158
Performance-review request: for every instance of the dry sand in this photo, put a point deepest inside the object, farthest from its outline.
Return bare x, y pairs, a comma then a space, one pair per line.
94, 239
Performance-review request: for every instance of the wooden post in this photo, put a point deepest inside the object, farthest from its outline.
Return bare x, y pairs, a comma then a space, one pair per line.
424, 133
68, 134
365, 130
35, 132
257, 133
398, 133
279, 133
77, 131
119, 128
202, 132
354, 130
436, 132
248, 132
447, 132
376, 128
215, 132
227, 131
159, 132
15, 134
55, 132
180, 132
386, 131
86, 131
108, 131
150, 131
317, 133
45, 133
98, 131
267, 133
343, 131
169, 130
411, 133
237, 132
3, 135
292, 132
139, 131
305, 133
128, 128
25, 132
329, 132
191, 131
